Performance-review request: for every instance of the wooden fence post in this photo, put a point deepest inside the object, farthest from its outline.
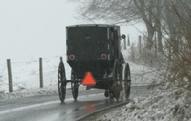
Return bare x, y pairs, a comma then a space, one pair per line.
128, 41
41, 72
124, 44
10, 75
140, 45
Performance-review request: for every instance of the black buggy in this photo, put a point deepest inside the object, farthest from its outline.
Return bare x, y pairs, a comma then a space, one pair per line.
95, 49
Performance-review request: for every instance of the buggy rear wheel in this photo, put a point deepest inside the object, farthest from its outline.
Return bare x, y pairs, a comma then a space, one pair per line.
116, 88
61, 81
127, 81
74, 86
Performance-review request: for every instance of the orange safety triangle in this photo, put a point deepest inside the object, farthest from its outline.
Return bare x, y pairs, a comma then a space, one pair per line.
89, 80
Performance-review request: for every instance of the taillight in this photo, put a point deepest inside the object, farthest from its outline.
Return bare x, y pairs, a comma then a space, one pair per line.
103, 56
71, 57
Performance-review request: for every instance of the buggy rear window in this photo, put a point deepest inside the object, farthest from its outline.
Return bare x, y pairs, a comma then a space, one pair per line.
78, 37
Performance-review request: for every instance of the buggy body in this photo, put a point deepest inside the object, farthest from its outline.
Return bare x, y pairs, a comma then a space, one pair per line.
93, 48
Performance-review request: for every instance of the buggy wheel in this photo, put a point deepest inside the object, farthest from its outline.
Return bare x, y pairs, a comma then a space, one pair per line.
74, 86
127, 81
61, 81
116, 89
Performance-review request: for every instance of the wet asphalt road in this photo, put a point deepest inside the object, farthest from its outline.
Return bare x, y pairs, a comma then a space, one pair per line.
48, 107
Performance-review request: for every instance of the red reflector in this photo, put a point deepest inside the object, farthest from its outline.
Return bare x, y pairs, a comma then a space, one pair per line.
104, 56
89, 80
71, 57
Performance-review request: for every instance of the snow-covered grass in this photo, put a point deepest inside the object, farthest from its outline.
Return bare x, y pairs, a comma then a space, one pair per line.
28, 93
162, 105
143, 75
26, 73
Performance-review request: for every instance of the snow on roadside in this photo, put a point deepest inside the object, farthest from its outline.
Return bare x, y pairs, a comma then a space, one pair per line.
140, 74
163, 105
28, 93
22, 93
143, 75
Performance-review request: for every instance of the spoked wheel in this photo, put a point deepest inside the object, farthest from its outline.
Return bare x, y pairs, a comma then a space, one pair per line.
117, 81
74, 86
127, 81
61, 81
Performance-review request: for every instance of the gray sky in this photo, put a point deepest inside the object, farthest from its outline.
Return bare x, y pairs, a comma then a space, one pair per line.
33, 28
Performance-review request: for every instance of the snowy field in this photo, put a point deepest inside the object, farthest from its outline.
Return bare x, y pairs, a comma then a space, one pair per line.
26, 73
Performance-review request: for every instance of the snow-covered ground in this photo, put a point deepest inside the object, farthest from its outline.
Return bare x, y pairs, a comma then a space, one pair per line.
26, 73
51, 90
163, 104
141, 74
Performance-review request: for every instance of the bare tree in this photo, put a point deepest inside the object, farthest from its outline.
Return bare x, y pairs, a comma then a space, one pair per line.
167, 22
120, 11
178, 29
